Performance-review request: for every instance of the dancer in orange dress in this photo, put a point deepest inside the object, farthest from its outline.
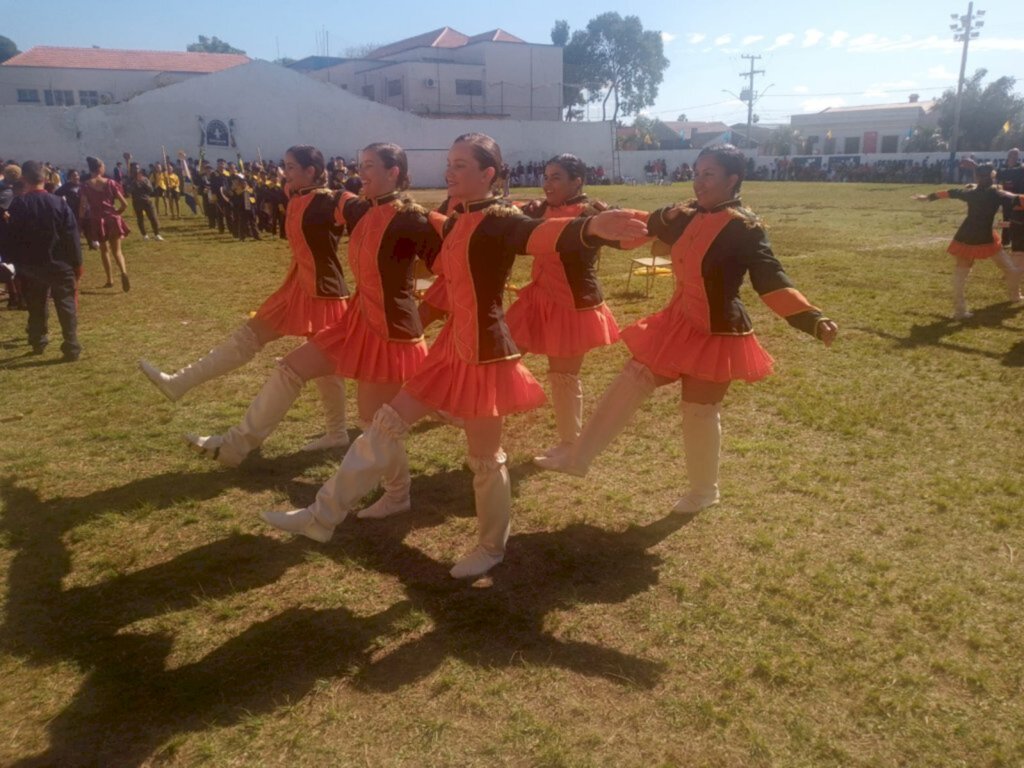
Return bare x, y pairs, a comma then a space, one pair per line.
703, 338
379, 341
561, 313
472, 370
976, 239
313, 296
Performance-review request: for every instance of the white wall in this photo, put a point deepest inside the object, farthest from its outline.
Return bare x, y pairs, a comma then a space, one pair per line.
274, 108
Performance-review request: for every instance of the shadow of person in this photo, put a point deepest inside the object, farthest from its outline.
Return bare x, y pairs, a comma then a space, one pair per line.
934, 334
505, 625
1014, 358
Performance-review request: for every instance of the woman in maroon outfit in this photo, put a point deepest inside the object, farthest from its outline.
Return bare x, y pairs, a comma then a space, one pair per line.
105, 224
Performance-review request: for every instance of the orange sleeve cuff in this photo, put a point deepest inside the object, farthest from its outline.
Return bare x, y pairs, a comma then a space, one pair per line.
942, 194
786, 302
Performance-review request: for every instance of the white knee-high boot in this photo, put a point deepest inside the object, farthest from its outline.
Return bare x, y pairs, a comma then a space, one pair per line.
396, 484
567, 401
702, 441
372, 455
332, 393
492, 494
960, 274
1017, 258
614, 411
262, 418
236, 350
1011, 274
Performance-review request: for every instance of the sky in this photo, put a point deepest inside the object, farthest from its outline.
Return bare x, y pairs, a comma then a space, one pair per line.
838, 54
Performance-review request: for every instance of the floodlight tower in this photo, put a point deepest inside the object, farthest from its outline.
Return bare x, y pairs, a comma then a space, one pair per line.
964, 30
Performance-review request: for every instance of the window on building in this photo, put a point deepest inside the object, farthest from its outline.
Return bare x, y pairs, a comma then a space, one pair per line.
890, 144
88, 98
469, 87
59, 98
394, 88
851, 145
28, 96
369, 92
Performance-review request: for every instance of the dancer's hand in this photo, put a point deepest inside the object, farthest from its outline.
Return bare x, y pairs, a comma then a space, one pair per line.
827, 331
921, 198
615, 225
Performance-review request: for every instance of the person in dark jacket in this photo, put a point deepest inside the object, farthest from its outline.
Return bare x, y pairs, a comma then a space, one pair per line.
42, 239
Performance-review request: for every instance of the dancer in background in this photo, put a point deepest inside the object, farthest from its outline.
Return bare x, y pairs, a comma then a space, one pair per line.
703, 338
313, 296
561, 313
975, 239
472, 370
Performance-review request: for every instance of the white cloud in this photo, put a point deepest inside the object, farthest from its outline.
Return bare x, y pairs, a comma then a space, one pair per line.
812, 37
751, 39
862, 42
695, 37
723, 39
667, 37
782, 41
817, 105
801, 89
878, 90
941, 73
837, 38
872, 43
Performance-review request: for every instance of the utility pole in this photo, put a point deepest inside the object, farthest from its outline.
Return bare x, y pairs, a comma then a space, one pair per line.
964, 30
749, 92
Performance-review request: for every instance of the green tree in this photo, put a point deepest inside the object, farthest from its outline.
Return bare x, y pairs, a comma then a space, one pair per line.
560, 33
925, 139
212, 45
7, 48
614, 58
983, 112
781, 141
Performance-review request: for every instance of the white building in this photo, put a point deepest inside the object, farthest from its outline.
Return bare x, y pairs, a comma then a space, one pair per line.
444, 73
67, 77
226, 113
868, 130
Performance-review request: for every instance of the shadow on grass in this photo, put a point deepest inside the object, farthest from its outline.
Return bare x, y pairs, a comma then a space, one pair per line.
934, 334
131, 703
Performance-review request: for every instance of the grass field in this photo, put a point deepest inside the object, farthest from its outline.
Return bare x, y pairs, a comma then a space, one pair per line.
856, 599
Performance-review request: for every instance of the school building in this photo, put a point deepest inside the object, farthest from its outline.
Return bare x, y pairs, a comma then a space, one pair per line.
53, 76
445, 73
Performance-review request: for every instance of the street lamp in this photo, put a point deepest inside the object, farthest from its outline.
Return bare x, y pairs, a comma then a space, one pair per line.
964, 30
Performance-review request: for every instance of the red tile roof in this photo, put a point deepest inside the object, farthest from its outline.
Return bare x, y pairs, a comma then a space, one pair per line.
445, 37
107, 58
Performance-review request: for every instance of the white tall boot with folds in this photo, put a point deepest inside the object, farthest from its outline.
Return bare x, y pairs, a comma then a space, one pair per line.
960, 275
567, 400
236, 350
373, 454
492, 493
702, 442
332, 393
262, 418
1011, 273
614, 411
1017, 258
396, 484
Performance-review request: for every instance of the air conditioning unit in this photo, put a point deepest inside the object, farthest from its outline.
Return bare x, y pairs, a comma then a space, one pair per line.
430, 82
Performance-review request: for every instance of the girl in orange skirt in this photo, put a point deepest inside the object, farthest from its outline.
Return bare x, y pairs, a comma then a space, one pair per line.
561, 313
379, 341
314, 295
472, 370
703, 338
976, 239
